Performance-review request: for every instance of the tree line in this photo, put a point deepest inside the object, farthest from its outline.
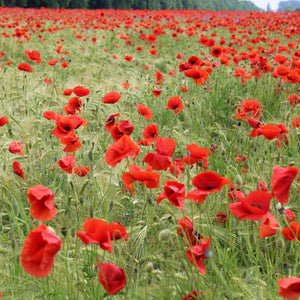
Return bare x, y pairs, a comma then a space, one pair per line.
135, 4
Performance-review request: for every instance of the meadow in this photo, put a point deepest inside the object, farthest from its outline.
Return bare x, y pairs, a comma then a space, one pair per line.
149, 154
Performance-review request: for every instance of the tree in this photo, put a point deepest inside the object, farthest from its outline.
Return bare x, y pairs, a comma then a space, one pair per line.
269, 7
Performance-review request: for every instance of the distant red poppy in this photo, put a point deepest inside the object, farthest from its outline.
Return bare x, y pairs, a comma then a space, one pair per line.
206, 183
192, 296
3, 121
42, 203
296, 122
197, 74
64, 65
156, 92
18, 169
268, 226
148, 178
81, 171
80, 91
221, 217
175, 192
101, 233
175, 103
293, 232
111, 122
195, 155
16, 147
67, 92
111, 98
33, 56
39, 249
290, 215
53, 62
144, 111
48, 81
254, 207
216, 51
249, 105
67, 163
159, 77
111, 277
153, 51
281, 181
123, 148
197, 253
289, 288
128, 58
25, 67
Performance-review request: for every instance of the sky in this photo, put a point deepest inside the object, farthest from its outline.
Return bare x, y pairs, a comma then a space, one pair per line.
263, 3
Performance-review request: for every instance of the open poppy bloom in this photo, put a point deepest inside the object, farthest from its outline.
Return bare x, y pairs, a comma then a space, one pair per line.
197, 253
289, 288
71, 141
16, 147
18, 169
156, 92
270, 131
101, 233
25, 67
148, 178
268, 226
293, 232
80, 91
39, 249
3, 121
64, 126
175, 192
67, 163
197, 74
249, 105
196, 154
42, 203
150, 133
254, 207
162, 159
123, 148
111, 277
281, 182
111, 98
73, 104
144, 111
206, 183
175, 103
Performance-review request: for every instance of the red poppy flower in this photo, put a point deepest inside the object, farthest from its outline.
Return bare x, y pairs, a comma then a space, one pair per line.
123, 148
293, 232
126, 127
192, 296
125, 85
18, 169
221, 217
64, 126
42, 203
206, 183
3, 121
270, 131
197, 74
144, 111
16, 147
148, 178
162, 159
156, 92
101, 233
25, 67
249, 105
111, 122
281, 181
81, 171
153, 51
52, 62
48, 81
159, 77
289, 214
268, 226
49, 115
289, 288
296, 122
254, 207
67, 92
67, 163
71, 141
197, 253
196, 154
39, 249
80, 91
150, 133
216, 51
111, 277
64, 65
73, 104
175, 103
177, 168
185, 226
175, 192
194, 61
128, 58
111, 98
33, 55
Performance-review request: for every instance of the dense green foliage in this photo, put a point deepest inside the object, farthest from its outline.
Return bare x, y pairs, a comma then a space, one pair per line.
136, 4
288, 5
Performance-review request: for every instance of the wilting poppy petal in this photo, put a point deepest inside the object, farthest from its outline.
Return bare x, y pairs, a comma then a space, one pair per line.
268, 226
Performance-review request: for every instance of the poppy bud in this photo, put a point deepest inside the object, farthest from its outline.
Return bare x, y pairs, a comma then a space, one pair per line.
149, 267
164, 235
63, 231
280, 244
238, 181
